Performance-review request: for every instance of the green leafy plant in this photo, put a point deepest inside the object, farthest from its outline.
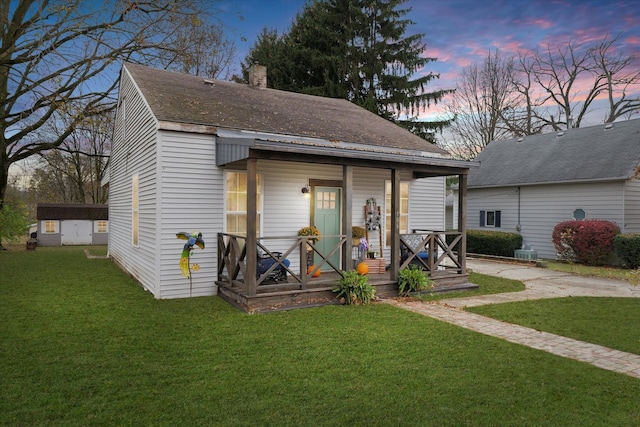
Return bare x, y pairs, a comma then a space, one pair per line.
14, 223
627, 247
354, 288
413, 279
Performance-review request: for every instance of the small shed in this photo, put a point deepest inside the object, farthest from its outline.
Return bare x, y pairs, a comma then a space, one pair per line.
72, 224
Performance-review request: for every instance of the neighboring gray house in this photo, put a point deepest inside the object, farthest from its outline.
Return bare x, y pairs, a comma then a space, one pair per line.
528, 185
72, 224
231, 161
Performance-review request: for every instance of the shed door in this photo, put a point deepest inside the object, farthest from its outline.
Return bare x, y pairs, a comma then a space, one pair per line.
327, 219
75, 232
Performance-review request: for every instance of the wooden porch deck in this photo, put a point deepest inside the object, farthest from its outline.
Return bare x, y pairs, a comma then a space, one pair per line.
300, 289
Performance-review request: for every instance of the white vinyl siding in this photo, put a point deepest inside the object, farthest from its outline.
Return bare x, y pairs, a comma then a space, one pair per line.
191, 188
631, 206
133, 152
544, 206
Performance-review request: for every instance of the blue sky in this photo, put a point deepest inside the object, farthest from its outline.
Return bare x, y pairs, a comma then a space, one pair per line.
459, 32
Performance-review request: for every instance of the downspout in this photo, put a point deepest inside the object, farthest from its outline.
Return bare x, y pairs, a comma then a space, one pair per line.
518, 227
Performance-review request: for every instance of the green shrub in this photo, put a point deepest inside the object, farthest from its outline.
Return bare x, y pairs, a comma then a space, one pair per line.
413, 279
627, 247
588, 241
354, 288
498, 243
14, 222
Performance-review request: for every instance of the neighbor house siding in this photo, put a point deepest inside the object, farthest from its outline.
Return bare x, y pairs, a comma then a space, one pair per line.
631, 206
427, 204
133, 153
191, 190
544, 206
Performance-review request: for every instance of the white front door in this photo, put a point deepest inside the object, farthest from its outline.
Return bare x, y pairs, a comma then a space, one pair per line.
75, 232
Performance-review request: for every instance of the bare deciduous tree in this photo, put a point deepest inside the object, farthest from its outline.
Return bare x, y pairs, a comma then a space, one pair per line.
554, 88
73, 172
55, 53
484, 95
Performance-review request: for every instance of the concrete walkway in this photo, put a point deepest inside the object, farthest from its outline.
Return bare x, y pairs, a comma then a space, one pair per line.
540, 283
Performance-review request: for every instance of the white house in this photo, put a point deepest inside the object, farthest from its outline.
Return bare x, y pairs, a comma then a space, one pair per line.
72, 224
529, 184
231, 161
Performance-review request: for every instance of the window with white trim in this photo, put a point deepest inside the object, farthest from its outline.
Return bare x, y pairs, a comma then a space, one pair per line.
403, 209
236, 203
490, 219
50, 227
101, 226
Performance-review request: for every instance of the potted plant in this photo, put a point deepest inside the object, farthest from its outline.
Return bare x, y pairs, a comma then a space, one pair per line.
354, 288
357, 233
413, 279
310, 231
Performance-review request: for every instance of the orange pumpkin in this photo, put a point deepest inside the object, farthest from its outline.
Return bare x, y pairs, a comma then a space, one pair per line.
310, 269
363, 268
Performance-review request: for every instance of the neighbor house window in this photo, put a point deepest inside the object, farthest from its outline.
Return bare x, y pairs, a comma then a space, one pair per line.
135, 210
579, 214
50, 226
236, 203
490, 218
403, 209
100, 226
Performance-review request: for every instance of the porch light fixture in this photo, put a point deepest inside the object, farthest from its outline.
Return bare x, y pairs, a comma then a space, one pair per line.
306, 189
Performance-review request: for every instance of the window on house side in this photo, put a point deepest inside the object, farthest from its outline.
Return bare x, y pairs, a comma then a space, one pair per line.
579, 214
135, 209
404, 210
236, 199
101, 226
490, 218
50, 226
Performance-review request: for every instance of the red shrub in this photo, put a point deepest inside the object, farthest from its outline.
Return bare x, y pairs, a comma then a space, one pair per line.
589, 241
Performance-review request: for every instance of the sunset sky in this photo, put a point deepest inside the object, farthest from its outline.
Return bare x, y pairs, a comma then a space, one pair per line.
459, 32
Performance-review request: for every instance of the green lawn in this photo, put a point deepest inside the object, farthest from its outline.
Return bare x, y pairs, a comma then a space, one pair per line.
81, 344
486, 285
611, 322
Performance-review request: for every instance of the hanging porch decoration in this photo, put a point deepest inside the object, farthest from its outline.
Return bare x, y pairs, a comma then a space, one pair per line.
186, 267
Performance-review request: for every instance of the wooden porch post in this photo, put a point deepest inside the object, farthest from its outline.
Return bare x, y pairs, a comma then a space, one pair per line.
462, 221
347, 215
395, 225
250, 279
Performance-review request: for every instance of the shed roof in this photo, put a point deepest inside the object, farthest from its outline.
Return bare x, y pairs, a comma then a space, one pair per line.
53, 211
608, 152
180, 98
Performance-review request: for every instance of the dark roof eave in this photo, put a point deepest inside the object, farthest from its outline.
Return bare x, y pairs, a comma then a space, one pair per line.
404, 158
529, 184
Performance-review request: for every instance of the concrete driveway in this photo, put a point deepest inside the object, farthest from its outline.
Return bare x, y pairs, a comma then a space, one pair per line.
542, 283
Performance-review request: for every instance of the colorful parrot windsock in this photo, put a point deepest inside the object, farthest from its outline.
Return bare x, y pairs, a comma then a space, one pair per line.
194, 238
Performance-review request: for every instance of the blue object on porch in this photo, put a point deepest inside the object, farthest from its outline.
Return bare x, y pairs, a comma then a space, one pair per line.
278, 274
415, 240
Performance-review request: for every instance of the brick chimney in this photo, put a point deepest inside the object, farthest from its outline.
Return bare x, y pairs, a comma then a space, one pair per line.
258, 76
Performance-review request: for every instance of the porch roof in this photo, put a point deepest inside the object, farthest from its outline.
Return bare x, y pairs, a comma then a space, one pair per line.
230, 150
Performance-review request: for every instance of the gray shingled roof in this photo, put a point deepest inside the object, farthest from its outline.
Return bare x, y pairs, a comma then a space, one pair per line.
599, 153
186, 99
52, 211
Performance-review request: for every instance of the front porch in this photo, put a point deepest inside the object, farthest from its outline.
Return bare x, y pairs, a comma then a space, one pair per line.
278, 274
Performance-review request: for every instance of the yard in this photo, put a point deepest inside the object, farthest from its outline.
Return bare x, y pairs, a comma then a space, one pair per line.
81, 344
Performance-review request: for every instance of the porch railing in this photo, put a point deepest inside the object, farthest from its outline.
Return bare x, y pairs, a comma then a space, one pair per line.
232, 253
449, 256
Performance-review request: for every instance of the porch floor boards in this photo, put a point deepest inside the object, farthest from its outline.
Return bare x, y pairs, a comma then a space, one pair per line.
280, 296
